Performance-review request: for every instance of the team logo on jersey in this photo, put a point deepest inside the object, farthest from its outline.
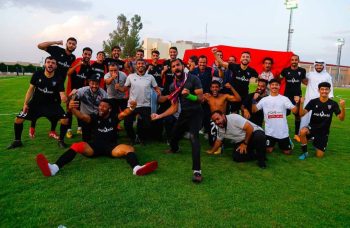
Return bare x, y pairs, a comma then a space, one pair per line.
248, 73
329, 107
53, 83
288, 72
274, 115
321, 114
62, 55
299, 73
39, 79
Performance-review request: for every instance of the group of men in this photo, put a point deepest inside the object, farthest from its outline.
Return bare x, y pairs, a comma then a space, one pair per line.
171, 98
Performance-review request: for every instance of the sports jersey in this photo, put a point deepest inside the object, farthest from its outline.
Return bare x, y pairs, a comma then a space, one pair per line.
80, 75
120, 63
111, 91
275, 108
99, 68
234, 128
89, 100
241, 78
46, 89
322, 113
192, 83
293, 80
156, 72
140, 88
104, 130
64, 61
205, 78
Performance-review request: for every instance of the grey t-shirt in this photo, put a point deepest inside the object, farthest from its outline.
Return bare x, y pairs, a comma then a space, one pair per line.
140, 89
111, 91
234, 129
90, 101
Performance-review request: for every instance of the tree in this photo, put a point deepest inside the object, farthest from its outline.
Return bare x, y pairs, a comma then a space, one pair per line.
3, 67
126, 36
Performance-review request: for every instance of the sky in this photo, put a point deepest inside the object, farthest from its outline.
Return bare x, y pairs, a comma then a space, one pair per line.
250, 23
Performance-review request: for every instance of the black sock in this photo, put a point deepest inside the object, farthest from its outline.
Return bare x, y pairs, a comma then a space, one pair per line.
63, 131
33, 123
53, 125
304, 148
65, 158
132, 159
18, 131
297, 127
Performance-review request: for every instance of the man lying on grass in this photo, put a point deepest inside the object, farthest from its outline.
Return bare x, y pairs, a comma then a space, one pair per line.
321, 118
104, 142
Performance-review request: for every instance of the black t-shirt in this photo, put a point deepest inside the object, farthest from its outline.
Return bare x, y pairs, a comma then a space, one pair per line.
104, 130
168, 78
156, 71
293, 81
98, 68
118, 62
46, 90
322, 113
78, 78
205, 77
192, 83
64, 61
257, 117
241, 78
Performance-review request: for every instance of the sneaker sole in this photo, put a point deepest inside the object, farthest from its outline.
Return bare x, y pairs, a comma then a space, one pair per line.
148, 168
43, 164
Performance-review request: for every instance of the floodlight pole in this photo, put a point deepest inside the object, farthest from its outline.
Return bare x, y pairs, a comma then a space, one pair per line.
290, 30
340, 43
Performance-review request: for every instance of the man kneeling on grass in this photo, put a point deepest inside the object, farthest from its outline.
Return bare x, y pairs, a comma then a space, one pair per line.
321, 118
249, 139
104, 142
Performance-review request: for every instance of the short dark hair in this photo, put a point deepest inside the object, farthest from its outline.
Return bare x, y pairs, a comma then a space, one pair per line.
216, 112
140, 50
116, 47
245, 52
72, 39
274, 80
113, 65
215, 82
108, 101
202, 57
296, 56
269, 59
155, 51
140, 60
263, 80
194, 58
87, 49
174, 60
50, 58
101, 52
324, 84
174, 48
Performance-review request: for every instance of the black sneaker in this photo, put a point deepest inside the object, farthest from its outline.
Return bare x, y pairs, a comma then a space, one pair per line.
15, 144
62, 144
197, 177
262, 164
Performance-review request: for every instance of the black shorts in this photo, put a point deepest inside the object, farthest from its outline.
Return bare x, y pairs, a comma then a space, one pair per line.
320, 139
283, 144
102, 149
52, 112
235, 107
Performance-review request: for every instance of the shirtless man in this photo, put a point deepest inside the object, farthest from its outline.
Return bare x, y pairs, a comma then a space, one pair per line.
218, 101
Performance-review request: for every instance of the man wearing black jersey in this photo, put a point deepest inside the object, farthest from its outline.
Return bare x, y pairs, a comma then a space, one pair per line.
43, 98
294, 76
321, 118
65, 58
186, 89
99, 67
104, 142
78, 74
167, 74
115, 58
241, 75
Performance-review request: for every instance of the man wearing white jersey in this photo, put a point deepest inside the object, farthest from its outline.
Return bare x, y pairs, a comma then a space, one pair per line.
275, 108
315, 77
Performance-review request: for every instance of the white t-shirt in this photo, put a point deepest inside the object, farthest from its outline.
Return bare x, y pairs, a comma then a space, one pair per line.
140, 89
275, 109
234, 129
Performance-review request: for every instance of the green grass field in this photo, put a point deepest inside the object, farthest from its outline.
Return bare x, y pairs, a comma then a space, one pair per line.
103, 192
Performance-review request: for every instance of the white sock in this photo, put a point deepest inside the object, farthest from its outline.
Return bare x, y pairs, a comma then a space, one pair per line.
53, 169
136, 168
197, 171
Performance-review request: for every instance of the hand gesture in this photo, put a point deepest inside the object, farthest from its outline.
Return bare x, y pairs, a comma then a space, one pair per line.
256, 95
342, 103
133, 104
117, 86
206, 96
302, 99
155, 116
185, 92
214, 50
228, 86
246, 114
25, 108
165, 68
242, 149
73, 104
59, 42
296, 99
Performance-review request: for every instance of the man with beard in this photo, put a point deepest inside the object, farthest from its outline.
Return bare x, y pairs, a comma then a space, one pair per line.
260, 92
241, 75
218, 71
294, 76
321, 118
104, 142
130, 65
218, 101
315, 77
43, 98
99, 67
116, 52
275, 107
186, 89
90, 97
77, 75
167, 74
64, 58
249, 139
140, 84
